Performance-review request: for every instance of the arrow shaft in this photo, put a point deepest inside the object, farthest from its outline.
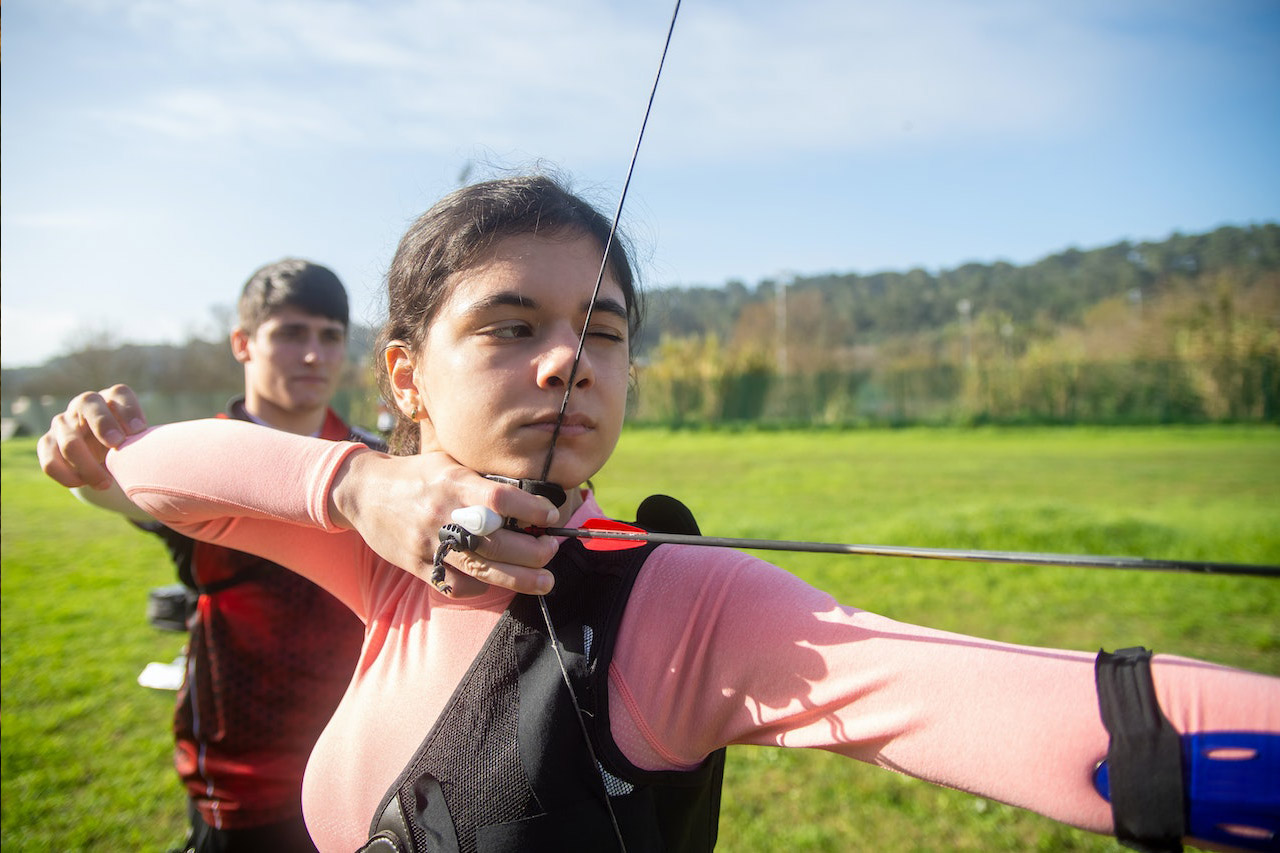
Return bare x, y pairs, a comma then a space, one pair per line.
956, 554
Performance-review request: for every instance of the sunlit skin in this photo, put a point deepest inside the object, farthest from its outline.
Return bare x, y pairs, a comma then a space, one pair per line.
492, 372
292, 365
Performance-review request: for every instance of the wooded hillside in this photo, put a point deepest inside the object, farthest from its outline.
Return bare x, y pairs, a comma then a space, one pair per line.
1182, 330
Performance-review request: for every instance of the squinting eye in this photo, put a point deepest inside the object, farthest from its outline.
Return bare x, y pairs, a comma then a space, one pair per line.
607, 334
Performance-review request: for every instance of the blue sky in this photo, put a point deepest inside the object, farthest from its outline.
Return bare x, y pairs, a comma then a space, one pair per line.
155, 152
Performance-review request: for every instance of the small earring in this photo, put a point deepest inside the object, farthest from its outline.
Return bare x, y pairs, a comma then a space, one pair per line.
413, 415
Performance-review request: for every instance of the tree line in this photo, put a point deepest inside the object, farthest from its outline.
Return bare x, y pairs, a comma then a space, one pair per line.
1178, 331
1182, 330
1054, 291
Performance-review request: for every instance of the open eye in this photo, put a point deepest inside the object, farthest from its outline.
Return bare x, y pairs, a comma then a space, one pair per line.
292, 333
509, 331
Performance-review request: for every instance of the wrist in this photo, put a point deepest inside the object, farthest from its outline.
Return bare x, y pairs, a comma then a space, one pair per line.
345, 491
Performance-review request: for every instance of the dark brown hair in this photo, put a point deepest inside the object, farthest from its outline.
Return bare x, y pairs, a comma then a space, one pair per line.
293, 282
455, 234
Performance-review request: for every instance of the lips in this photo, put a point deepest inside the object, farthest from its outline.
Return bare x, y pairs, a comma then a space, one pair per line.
575, 423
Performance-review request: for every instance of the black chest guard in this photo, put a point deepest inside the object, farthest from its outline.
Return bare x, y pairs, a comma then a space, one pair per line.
505, 767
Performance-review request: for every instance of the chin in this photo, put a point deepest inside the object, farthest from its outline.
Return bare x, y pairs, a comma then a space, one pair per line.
567, 476
570, 473
518, 468
310, 402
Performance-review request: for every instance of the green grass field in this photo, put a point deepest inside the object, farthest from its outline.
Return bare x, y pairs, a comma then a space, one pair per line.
86, 751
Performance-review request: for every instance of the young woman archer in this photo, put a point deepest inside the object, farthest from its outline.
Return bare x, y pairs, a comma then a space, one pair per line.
457, 731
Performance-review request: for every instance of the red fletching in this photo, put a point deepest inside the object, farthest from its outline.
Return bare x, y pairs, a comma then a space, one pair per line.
608, 525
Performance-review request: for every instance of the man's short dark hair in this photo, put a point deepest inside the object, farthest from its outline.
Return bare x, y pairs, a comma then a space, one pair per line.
296, 283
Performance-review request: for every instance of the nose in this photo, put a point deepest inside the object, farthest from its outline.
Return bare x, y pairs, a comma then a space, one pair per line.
556, 363
315, 351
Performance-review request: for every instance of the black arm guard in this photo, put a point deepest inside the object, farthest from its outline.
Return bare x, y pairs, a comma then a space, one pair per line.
1145, 756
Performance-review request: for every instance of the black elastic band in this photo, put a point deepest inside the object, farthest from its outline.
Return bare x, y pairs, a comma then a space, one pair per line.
1144, 760
553, 492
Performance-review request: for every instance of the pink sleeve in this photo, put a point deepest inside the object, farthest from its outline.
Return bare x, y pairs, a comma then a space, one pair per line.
251, 488
721, 648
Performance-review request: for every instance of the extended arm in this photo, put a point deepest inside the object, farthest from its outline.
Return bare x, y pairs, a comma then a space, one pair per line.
1013, 723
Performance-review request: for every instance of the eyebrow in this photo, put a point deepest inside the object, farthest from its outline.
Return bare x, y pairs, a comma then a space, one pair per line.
606, 304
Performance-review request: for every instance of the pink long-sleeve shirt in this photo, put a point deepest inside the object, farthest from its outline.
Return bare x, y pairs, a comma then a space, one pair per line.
716, 647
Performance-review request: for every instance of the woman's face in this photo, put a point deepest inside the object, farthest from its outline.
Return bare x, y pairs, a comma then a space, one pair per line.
493, 368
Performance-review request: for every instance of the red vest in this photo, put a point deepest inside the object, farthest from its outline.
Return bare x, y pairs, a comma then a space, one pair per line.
270, 656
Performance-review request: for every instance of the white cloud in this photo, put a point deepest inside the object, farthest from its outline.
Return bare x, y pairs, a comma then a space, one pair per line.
828, 76
213, 115
561, 78
439, 75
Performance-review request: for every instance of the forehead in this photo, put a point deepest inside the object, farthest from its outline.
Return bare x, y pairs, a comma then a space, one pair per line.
548, 268
291, 315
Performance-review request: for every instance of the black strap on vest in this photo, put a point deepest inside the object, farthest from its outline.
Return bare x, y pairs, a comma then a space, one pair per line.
1144, 759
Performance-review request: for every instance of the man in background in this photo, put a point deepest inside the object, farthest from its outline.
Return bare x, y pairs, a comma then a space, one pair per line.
270, 654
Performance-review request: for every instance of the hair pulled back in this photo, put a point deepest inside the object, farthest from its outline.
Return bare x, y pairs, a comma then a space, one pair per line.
455, 235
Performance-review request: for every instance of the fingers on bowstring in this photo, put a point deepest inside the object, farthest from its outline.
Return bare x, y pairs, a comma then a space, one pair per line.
512, 502
521, 579
509, 559
512, 548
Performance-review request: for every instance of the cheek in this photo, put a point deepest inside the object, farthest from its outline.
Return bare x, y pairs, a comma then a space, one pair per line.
616, 376
282, 353
278, 358
459, 399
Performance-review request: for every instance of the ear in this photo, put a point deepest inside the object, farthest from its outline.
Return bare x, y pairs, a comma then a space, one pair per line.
240, 345
399, 361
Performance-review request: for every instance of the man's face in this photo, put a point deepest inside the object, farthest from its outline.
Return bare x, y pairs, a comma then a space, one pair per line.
293, 362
